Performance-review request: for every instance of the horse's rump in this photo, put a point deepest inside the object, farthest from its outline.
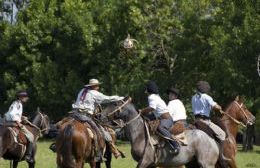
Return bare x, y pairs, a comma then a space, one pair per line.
13, 143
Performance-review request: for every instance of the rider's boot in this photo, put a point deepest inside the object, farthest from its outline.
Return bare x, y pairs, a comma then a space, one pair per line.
53, 147
175, 147
28, 155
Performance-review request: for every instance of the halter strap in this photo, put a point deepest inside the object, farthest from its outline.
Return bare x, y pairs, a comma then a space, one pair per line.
120, 107
235, 120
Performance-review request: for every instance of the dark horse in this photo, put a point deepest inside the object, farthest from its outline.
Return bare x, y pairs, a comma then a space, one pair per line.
75, 145
11, 150
200, 145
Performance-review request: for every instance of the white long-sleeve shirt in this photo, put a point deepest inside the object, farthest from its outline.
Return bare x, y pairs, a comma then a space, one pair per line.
159, 106
15, 112
177, 110
91, 98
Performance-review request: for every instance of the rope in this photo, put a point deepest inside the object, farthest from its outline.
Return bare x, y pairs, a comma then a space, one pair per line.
120, 107
232, 118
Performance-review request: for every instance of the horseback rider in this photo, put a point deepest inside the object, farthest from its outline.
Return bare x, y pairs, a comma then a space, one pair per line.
88, 98
202, 104
14, 114
160, 111
176, 107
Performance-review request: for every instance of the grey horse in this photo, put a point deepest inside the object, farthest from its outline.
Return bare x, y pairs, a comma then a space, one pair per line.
200, 146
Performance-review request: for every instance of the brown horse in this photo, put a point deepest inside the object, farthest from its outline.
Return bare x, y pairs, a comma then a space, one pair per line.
238, 111
75, 145
11, 150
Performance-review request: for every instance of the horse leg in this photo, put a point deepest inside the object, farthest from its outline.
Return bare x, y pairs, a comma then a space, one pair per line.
108, 156
31, 165
232, 163
98, 165
92, 164
15, 163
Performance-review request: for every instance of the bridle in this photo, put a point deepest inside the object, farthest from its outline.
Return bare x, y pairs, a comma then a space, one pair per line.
235, 120
119, 109
43, 121
243, 112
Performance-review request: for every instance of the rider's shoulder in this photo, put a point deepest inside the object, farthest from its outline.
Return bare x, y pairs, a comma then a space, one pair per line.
16, 104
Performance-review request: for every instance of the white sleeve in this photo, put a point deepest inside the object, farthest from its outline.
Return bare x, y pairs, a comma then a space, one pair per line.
211, 102
16, 111
152, 103
101, 98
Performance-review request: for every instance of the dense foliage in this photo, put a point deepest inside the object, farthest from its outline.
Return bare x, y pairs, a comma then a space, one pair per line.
57, 45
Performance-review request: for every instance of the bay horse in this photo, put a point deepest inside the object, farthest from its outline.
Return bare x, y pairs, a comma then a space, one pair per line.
75, 145
236, 112
11, 150
200, 145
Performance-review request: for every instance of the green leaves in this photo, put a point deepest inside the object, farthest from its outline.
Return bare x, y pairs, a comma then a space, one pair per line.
56, 46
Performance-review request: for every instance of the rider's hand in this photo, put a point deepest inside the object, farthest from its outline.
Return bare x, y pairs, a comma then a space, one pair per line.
24, 118
19, 124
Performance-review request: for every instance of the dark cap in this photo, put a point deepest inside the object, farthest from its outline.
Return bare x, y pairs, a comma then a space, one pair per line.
152, 87
22, 93
203, 87
174, 91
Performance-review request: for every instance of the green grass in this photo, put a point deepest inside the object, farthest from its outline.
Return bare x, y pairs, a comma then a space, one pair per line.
46, 159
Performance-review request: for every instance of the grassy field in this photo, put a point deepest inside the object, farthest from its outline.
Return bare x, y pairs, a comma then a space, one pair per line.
46, 159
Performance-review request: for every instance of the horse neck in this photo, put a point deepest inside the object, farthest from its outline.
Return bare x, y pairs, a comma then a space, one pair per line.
136, 133
37, 121
231, 126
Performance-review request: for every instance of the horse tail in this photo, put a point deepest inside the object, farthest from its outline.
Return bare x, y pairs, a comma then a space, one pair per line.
66, 148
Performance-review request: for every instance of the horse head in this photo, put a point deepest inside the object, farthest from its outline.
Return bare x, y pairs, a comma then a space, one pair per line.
240, 112
117, 110
42, 121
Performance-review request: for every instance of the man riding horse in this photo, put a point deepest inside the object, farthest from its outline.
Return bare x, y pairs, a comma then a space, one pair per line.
176, 108
88, 99
160, 111
14, 115
202, 104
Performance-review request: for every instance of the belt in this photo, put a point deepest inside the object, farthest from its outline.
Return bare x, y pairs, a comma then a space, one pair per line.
203, 117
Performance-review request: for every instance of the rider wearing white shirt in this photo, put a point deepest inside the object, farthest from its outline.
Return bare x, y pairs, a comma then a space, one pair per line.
160, 111
14, 114
175, 105
85, 106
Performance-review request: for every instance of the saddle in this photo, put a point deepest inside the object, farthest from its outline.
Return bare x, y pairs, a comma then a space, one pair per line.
177, 131
18, 135
205, 128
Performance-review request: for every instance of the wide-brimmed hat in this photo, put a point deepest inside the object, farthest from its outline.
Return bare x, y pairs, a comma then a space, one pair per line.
93, 82
22, 93
152, 87
203, 87
173, 90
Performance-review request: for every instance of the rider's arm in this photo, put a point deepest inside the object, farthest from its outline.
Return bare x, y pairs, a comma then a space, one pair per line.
213, 104
101, 98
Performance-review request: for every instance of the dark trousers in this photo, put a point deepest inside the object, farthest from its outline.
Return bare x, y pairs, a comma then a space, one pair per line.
165, 125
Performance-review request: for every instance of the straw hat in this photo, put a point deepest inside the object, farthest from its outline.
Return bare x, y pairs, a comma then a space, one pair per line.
93, 82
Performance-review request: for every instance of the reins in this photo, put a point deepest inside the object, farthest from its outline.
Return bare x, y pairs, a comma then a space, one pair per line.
232, 118
120, 107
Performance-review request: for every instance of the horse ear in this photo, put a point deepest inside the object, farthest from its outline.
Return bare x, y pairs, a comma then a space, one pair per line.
38, 110
237, 98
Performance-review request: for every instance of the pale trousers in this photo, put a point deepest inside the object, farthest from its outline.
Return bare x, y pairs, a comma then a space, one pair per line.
218, 131
28, 134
